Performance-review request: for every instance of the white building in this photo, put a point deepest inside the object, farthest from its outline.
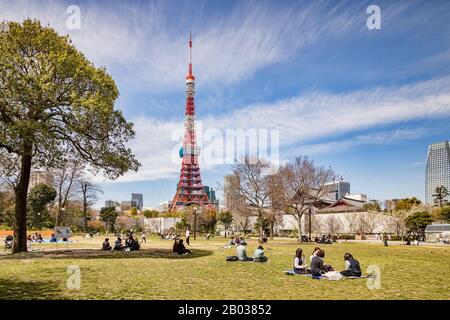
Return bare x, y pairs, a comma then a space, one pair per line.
325, 223
160, 225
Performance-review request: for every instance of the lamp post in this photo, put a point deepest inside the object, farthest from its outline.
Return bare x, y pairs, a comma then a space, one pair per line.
195, 223
310, 224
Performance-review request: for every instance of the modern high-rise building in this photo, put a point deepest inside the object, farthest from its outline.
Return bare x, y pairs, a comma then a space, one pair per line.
137, 201
211, 193
437, 172
337, 189
110, 204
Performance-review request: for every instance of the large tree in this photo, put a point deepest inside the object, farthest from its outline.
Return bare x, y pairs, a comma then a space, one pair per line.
89, 195
226, 218
417, 222
440, 196
108, 216
66, 178
251, 176
303, 186
56, 106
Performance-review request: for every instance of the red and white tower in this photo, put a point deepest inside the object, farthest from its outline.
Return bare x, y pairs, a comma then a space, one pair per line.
190, 188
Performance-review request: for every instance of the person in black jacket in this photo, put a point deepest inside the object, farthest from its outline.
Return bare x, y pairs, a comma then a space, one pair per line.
352, 267
317, 267
181, 249
106, 245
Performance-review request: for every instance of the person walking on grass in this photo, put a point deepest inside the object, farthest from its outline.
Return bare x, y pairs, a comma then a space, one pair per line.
143, 236
188, 234
385, 240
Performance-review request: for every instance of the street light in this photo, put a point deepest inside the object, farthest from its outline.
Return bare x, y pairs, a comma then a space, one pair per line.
310, 212
195, 223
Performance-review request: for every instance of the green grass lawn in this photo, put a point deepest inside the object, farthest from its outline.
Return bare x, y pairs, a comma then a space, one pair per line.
155, 273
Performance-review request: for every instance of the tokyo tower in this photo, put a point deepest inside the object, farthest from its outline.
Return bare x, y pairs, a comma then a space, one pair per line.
190, 187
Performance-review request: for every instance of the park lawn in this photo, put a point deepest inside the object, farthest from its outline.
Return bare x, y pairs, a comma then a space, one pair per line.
407, 272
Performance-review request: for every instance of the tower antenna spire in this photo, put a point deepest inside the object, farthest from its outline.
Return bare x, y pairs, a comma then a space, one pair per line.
190, 47
190, 76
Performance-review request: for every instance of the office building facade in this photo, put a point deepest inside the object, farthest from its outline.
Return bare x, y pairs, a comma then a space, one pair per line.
437, 171
137, 201
337, 189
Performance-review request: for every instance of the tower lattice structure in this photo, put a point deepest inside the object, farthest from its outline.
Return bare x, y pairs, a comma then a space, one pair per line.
190, 190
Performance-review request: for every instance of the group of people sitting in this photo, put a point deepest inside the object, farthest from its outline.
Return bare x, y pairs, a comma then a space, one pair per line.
235, 241
317, 267
241, 251
36, 237
179, 247
131, 244
329, 239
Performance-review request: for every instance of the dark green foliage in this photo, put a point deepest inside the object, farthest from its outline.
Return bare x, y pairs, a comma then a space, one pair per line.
38, 200
109, 216
417, 222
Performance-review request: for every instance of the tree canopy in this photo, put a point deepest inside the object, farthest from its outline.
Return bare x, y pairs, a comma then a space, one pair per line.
109, 216
407, 204
38, 200
417, 222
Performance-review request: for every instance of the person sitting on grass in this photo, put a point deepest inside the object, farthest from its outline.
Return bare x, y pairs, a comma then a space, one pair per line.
352, 268
299, 262
241, 252
242, 241
118, 244
106, 246
134, 244
258, 255
175, 246
53, 238
181, 249
317, 266
313, 254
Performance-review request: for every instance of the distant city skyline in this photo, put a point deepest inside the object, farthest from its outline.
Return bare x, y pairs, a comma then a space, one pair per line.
366, 102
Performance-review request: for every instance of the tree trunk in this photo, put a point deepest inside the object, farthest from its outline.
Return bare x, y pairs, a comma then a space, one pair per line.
271, 229
20, 230
85, 213
261, 231
299, 225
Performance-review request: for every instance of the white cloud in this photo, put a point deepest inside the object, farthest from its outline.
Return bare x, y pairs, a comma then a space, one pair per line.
146, 45
305, 118
377, 138
146, 42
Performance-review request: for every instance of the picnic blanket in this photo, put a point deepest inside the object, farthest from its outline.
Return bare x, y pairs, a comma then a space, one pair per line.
329, 277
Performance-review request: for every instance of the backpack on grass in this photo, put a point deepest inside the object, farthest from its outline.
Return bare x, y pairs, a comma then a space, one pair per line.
232, 258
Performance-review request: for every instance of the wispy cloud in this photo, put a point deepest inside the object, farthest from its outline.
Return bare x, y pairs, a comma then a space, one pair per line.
303, 119
376, 138
146, 42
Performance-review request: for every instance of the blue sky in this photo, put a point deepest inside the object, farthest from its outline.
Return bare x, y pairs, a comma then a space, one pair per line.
365, 102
